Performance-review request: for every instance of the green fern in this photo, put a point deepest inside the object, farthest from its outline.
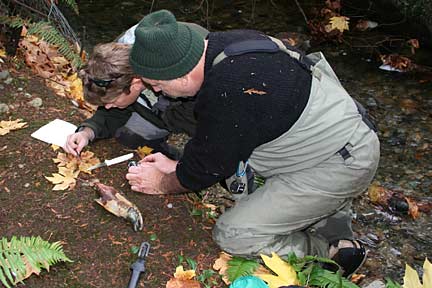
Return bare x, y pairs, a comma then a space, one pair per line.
33, 253
50, 34
12, 21
72, 4
239, 266
47, 32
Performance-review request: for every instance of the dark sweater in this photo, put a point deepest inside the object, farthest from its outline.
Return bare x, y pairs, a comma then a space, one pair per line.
231, 122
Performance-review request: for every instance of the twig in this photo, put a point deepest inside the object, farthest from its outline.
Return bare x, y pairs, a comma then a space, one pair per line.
30, 8
301, 11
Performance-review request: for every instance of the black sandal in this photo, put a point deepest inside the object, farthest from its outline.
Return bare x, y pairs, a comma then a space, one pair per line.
350, 259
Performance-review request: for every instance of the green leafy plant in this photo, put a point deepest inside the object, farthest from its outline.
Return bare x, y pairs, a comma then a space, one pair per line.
391, 284
47, 32
310, 272
21, 257
205, 277
239, 266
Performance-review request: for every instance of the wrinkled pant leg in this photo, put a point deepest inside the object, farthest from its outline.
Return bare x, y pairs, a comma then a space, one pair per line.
276, 218
337, 226
145, 128
280, 216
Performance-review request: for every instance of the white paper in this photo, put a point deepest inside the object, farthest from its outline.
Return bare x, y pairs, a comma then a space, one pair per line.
55, 132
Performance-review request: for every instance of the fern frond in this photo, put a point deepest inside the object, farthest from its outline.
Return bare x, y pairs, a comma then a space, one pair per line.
12, 21
51, 35
19, 258
72, 4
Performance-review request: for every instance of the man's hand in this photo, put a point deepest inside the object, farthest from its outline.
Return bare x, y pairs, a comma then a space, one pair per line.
77, 141
145, 178
161, 162
155, 174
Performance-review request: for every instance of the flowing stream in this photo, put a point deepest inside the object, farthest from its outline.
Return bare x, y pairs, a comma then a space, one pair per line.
400, 102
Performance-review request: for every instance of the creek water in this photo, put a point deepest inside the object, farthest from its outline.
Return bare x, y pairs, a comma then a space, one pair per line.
400, 102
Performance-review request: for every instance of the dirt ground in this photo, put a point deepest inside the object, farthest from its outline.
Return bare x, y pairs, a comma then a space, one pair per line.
100, 244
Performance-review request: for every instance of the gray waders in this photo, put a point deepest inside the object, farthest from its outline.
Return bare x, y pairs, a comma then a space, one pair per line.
313, 171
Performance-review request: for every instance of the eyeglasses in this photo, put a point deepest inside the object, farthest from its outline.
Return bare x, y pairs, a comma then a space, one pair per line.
103, 82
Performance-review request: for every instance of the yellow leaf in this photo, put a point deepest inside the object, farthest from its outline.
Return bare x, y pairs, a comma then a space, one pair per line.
427, 274
2, 53
64, 179
411, 278
339, 22
54, 147
144, 151
285, 272
184, 275
7, 126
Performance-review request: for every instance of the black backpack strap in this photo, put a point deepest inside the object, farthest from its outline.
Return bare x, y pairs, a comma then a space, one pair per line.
269, 45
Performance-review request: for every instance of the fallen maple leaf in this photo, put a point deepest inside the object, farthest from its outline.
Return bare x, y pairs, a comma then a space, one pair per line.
254, 91
64, 179
221, 265
339, 23
144, 151
181, 274
71, 162
183, 279
7, 126
286, 274
411, 278
177, 283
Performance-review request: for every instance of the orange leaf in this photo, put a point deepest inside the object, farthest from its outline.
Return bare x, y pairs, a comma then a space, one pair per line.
177, 283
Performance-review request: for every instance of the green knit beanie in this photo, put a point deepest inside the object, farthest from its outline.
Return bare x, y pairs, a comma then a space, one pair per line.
165, 49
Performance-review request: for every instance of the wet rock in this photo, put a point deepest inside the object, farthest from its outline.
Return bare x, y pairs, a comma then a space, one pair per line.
4, 108
37, 102
20, 89
371, 102
27, 95
4, 75
375, 284
8, 81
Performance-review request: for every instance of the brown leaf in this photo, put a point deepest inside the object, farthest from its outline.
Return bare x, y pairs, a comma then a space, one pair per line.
414, 43
254, 91
413, 209
378, 194
397, 61
221, 265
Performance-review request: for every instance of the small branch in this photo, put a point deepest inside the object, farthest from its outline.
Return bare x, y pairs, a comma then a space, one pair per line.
30, 8
301, 11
